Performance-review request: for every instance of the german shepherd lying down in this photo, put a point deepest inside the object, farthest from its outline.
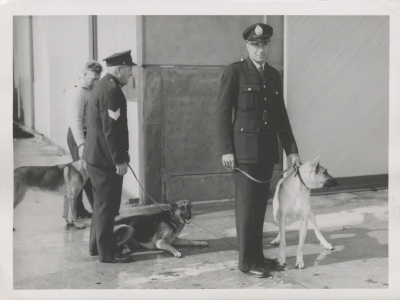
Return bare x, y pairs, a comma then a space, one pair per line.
64, 180
158, 231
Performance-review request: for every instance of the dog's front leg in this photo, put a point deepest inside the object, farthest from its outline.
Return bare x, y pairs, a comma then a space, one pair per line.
163, 245
72, 206
282, 242
182, 242
318, 233
66, 213
302, 237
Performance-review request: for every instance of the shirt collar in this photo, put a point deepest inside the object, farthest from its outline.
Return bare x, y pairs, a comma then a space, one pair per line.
83, 84
258, 65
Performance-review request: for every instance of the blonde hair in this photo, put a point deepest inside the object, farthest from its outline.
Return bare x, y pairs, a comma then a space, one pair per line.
93, 66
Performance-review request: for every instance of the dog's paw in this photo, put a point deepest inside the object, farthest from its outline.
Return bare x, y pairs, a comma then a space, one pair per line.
280, 267
200, 243
281, 260
127, 251
80, 225
299, 264
327, 246
275, 242
177, 254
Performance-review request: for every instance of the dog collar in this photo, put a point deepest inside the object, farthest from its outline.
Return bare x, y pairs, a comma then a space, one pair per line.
301, 179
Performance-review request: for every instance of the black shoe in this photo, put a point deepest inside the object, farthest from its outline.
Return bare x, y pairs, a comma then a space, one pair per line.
93, 253
258, 272
119, 258
84, 214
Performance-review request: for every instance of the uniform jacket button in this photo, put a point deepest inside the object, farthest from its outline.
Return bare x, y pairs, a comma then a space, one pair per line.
276, 93
249, 89
241, 129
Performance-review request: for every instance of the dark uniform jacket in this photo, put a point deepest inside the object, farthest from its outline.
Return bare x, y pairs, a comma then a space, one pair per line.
259, 114
107, 142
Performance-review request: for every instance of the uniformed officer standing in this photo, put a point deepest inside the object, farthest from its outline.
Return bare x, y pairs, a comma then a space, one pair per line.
253, 91
106, 154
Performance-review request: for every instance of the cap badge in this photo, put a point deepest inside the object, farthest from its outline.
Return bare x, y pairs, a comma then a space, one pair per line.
258, 30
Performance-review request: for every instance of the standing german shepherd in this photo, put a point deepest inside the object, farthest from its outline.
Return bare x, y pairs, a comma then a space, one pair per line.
64, 180
292, 201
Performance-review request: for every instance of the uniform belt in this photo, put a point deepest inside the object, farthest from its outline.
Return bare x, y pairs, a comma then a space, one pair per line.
258, 116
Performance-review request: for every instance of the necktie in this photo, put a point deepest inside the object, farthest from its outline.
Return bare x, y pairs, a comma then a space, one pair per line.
260, 69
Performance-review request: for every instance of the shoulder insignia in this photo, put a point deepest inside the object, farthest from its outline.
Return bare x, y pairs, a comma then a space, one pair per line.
114, 115
111, 84
238, 62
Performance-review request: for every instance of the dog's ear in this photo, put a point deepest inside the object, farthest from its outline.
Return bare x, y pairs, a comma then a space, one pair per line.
174, 206
315, 164
315, 161
317, 168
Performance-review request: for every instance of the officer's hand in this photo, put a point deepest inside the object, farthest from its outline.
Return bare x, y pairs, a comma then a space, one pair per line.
122, 169
294, 160
81, 151
228, 161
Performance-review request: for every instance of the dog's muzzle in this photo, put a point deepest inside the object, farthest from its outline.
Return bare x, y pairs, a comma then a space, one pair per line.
331, 183
187, 218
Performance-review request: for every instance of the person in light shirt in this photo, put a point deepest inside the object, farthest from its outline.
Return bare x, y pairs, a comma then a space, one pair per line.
77, 101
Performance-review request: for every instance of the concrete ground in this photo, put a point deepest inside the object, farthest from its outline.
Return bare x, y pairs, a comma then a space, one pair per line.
50, 255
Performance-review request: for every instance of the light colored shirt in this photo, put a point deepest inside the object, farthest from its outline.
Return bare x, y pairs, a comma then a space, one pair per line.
77, 100
258, 65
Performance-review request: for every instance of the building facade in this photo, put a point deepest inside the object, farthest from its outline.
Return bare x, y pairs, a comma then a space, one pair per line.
335, 71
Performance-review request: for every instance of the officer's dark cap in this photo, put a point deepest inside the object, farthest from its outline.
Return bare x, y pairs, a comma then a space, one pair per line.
259, 32
120, 59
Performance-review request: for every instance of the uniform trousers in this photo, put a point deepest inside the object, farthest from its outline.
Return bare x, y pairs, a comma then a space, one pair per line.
107, 190
250, 207
73, 148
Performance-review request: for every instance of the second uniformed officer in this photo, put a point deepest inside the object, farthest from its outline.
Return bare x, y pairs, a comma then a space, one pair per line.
106, 154
253, 91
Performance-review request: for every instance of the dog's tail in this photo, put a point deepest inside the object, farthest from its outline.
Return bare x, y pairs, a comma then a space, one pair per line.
275, 202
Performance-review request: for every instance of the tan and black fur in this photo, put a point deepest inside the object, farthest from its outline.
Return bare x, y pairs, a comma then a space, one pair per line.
292, 201
158, 231
65, 180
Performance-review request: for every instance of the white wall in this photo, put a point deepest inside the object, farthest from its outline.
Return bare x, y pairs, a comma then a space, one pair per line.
60, 51
338, 91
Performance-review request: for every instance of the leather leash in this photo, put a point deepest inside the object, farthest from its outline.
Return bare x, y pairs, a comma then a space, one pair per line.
236, 168
256, 180
145, 190
301, 179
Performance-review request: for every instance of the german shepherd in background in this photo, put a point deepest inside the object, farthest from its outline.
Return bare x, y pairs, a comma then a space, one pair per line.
64, 180
292, 201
